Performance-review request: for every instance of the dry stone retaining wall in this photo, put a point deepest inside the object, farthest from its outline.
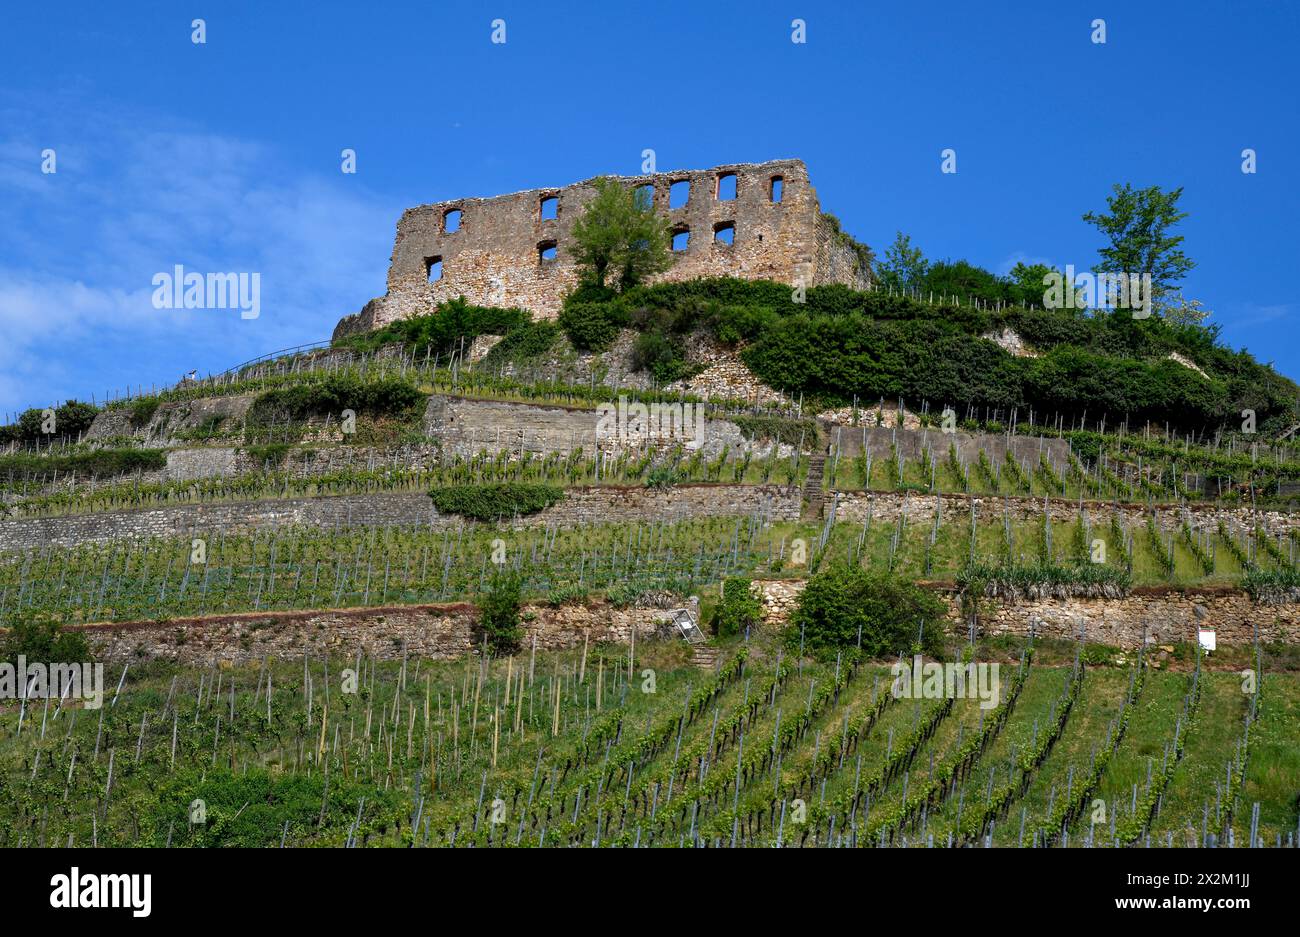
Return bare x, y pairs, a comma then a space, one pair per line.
595, 505
591, 505
1166, 615
447, 631
441, 632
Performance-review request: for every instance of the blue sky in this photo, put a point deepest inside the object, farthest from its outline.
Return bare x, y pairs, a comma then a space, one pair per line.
226, 156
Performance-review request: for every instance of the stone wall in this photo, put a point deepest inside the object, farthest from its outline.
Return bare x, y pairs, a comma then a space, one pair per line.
1167, 615
593, 505
441, 632
494, 256
447, 631
888, 506
598, 504
850, 441
171, 420
464, 426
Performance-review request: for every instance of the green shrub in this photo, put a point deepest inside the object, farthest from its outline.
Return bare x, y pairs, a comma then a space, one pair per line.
70, 420
42, 640
738, 610
292, 405
891, 613
101, 463
591, 326
491, 502
663, 477
441, 332
522, 344
782, 429
498, 619
142, 411
270, 453
657, 353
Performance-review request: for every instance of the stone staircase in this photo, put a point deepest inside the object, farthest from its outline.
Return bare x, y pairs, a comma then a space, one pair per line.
812, 486
704, 656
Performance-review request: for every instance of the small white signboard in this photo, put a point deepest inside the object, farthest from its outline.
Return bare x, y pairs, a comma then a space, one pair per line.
1206, 638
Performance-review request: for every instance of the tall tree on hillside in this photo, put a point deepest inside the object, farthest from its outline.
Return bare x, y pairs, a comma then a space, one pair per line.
904, 266
1138, 228
620, 236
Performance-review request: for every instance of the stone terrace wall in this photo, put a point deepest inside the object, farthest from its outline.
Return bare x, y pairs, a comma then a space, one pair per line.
888, 506
1168, 615
494, 256
595, 505
591, 505
446, 631
441, 632
464, 426
877, 441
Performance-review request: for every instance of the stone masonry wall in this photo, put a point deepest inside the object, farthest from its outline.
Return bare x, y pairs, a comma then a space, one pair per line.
447, 631
850, 441
1167, 615
441, 632
494, 257
595, 505
464, 426
591, 505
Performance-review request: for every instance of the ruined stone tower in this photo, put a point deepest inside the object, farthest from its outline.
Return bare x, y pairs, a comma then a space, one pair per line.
750, 220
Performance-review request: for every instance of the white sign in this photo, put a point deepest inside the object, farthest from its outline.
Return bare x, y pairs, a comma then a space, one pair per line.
1206, 638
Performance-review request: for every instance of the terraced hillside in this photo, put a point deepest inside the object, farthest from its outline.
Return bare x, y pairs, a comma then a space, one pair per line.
455, 583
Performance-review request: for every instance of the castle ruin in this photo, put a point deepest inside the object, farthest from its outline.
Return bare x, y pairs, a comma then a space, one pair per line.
748, 220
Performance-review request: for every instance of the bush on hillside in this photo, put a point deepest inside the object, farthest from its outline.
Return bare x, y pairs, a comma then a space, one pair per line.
592, 326
70, 420
739, 608
42, 640
891, 613
841, 343
490, 502
389, 396
498, 619
441, 332
523, 344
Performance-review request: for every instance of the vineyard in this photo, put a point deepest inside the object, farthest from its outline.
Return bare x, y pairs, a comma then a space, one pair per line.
606, 746
313, 567
754, 735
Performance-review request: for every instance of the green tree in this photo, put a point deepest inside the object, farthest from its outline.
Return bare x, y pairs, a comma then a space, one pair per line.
499, 614
43, 640
842, 601
1138, 228
739, 608
904, 266
620, 236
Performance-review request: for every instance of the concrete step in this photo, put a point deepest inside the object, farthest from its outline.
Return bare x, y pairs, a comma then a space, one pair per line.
813, 494
704, 656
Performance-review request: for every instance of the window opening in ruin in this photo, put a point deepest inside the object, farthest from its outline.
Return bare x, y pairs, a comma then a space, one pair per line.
778, 187
451, 221
679, 193
681, 239
645, 196
547, 250
724, 232
433, 267
727, 187
549, 208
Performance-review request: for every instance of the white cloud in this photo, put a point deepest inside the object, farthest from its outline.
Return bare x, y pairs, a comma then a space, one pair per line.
1020, 257
135, 195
